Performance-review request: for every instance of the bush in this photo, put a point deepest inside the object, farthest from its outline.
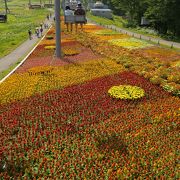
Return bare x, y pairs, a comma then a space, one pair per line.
49, 37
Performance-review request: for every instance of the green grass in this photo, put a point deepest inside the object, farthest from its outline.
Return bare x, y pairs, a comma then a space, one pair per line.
20, 19
121, 23
6, 72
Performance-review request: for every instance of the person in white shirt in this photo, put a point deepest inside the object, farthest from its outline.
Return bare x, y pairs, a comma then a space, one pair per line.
68, 20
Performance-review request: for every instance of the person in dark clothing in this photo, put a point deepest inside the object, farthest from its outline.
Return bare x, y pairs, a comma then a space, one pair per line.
79, 11
41, 31
37, 32
30, 34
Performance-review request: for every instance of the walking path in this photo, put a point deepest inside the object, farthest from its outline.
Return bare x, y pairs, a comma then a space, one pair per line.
159, 41
21, 51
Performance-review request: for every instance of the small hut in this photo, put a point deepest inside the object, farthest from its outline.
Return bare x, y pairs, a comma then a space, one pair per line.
99, 9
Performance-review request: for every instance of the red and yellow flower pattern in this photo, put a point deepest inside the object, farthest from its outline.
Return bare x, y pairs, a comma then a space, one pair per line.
58, 121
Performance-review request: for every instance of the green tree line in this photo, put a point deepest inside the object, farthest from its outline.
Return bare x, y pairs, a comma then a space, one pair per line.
163, 15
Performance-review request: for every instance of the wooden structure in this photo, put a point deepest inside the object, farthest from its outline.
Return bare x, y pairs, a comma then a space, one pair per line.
35, 6
49, 4
99, 9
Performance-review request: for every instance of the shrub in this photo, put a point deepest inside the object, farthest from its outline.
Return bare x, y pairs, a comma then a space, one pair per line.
49, 37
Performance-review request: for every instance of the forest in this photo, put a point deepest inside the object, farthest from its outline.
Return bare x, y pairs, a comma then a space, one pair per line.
163, 15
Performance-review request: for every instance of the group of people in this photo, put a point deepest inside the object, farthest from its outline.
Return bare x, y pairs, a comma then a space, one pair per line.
78, 11
39, 30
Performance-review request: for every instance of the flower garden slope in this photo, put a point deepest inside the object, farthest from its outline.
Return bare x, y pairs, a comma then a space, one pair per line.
136, 60
20, 86
82, 127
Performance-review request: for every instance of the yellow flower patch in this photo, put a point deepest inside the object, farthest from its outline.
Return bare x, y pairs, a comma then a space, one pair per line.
130, 43
105, 32
70, 51
111, 37
48, 42
176, 64
126, 92
50, 47
91, 28
42, 79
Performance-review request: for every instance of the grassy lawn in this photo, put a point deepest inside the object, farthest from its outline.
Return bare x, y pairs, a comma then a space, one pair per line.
20, 19
120, 22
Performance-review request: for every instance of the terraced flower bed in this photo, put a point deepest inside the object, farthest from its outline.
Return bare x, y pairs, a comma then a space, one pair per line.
159, 65
89, 115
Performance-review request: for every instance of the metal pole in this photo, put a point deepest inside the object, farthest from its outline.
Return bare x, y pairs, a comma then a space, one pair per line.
58, 29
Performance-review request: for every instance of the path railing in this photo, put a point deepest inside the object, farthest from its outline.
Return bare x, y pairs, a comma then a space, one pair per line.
157, 41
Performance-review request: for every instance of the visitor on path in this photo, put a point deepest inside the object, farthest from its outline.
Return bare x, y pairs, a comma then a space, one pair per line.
47, 16
46, 26
30, 34
68, 13
41, 31
79, 11
41, 25
37, 32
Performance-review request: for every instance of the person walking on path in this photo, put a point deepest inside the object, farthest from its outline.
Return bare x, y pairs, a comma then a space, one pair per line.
41, 31
79, 11
37, 32
68, 13
47, 16
30, 34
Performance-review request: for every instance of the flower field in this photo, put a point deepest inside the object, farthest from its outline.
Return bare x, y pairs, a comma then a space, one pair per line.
96, 113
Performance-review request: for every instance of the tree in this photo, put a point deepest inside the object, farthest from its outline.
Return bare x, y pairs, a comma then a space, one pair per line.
134, 9
6, 7
164, 15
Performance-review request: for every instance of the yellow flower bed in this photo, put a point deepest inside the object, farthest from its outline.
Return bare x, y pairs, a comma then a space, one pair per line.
47, 42
130, 43
117, 36
91, 28
106, 32
176, 63
49, 47
19, 86
70, 51
106, 35
126, 92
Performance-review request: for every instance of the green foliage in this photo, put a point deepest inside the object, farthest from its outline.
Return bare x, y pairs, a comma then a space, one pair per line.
49, 37
20, 19
162, 14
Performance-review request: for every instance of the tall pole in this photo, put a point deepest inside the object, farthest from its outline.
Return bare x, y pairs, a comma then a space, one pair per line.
58, 29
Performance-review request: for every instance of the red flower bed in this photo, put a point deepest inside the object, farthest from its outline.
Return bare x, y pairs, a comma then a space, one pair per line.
41, 52
85, 55
51, 124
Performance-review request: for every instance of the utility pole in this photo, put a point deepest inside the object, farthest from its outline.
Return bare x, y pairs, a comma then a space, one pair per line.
58, 28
